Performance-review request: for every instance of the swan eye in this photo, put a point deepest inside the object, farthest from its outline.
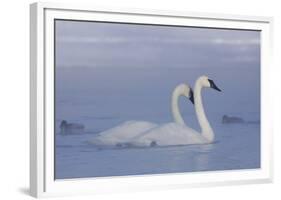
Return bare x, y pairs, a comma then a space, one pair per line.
213, 85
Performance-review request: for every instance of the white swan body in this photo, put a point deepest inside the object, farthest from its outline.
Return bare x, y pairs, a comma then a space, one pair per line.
122, 133
179, 133
169, 134
127, 131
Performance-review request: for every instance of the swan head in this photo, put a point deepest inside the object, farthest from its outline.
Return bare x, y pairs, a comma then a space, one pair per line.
185, 90
207, 82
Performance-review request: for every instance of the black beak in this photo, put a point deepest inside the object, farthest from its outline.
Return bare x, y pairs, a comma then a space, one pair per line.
191, 98
213, 85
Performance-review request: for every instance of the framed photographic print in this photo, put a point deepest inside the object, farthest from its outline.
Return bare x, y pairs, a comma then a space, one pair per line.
127, 99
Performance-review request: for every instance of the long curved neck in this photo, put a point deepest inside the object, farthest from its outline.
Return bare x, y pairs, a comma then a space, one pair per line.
206, 129
175, 107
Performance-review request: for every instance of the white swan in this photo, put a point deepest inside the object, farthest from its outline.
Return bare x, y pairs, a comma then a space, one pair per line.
123, 134
178, 133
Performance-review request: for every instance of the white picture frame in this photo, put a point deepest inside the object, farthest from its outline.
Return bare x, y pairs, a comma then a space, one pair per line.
42, 181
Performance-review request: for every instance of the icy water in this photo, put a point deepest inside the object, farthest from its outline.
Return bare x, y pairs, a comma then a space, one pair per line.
102, 98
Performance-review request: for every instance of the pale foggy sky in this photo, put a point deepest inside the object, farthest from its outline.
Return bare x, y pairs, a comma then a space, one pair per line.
93, 44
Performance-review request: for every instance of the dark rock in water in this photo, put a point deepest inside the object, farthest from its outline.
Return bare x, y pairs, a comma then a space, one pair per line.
71, 128
124, 145
153, 144
119, 145
232, 120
